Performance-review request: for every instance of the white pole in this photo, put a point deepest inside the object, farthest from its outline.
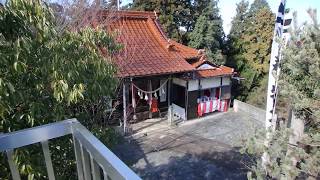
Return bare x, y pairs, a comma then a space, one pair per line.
273, 71
273, 68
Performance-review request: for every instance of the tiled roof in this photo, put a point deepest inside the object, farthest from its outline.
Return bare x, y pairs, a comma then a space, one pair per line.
146, 50
201, 61
218, 71
187, 52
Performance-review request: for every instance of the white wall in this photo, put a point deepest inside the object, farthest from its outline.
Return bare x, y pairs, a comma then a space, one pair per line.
226, 81
205, 66
205, 83
179, 82
252, 111
210, 82
193, 85
179, 111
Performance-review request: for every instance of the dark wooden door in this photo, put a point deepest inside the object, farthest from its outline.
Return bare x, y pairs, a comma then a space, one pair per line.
192, 104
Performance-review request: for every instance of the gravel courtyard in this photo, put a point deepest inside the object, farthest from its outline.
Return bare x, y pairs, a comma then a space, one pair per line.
205, 148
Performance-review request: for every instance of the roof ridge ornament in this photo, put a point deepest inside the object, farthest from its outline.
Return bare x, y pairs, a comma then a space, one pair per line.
170, 45
201, 51
155, 14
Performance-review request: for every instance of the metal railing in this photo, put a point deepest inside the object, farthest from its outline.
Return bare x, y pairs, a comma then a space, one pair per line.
94, 160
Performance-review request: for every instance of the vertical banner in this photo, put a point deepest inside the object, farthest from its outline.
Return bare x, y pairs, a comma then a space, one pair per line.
274, 65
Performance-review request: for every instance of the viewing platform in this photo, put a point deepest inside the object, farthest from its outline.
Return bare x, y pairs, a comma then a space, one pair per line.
93, 159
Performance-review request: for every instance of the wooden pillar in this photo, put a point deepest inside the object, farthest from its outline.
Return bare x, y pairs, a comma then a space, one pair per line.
199, 88
220, 88
150, 97
169, 102
124, 107
186, 99
133, 100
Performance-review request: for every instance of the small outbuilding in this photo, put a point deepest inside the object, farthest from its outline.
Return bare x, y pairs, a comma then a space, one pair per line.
160, 75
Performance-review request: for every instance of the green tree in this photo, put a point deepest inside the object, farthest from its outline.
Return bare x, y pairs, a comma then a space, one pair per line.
175, 16
257, 40
249, 48
299, 83
238, 22
47, 76
256, 6
178, 17
257, 45
234, 46
208, 33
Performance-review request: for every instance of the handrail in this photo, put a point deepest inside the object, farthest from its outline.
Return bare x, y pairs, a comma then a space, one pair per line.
102, 154
91, 154
37, 134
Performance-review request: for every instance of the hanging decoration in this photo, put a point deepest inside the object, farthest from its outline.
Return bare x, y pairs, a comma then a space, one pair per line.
160, 89
147, 95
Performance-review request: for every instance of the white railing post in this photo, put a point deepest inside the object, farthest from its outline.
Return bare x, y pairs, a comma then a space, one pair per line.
95, 169
77, 152
13, 167
85, 163
47, 157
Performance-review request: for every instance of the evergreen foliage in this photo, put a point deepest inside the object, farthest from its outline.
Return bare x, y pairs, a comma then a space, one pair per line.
256, 6
195, 23
238, 22
208, 33
176, 16
249, 48
47, 76
299, 82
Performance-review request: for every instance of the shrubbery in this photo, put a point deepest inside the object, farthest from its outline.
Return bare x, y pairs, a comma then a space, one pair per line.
47, 76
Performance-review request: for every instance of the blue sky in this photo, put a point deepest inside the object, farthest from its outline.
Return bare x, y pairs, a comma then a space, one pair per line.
228, 9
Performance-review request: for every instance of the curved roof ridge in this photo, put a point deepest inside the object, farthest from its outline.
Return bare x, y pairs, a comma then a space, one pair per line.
188, 52
161, 38
136, 14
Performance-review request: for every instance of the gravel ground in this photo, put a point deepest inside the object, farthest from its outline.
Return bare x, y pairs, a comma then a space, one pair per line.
205, 148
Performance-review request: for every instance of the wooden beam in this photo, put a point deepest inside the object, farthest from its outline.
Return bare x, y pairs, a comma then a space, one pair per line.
156, 77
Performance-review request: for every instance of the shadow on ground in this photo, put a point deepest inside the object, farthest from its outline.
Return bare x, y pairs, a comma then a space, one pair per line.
204, 148
203, 166
175, 165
